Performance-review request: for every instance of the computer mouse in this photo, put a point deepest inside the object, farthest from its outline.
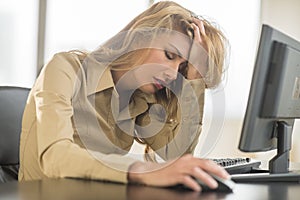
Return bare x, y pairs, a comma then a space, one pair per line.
224, 185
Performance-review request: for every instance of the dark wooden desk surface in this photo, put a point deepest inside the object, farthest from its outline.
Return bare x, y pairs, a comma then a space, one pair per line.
81, 189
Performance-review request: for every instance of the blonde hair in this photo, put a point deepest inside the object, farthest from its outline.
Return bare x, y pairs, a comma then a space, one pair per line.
120, 54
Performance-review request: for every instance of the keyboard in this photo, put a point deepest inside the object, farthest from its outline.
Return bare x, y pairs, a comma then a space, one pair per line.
238, 165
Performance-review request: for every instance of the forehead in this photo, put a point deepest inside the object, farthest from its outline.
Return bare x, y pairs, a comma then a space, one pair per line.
176, 42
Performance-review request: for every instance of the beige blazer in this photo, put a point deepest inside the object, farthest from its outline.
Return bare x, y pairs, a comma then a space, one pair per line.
72, 126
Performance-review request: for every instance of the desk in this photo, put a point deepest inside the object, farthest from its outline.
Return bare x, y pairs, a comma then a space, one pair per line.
71, 189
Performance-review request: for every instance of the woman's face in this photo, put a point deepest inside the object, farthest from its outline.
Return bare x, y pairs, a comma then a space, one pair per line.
161, 66
158, 70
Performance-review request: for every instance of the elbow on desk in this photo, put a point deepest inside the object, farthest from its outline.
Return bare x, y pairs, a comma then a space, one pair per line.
54, 162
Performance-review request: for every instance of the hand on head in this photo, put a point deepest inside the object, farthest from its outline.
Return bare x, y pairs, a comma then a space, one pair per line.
197, 66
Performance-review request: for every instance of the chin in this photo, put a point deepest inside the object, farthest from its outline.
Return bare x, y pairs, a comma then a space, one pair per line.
148, 89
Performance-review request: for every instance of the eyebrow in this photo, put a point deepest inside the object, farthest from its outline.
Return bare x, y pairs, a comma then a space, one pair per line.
178, 52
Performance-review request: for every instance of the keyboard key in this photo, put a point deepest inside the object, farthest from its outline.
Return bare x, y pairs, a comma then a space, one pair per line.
238, 165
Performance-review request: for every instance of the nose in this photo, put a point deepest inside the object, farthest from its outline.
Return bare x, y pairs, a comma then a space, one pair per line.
171, 73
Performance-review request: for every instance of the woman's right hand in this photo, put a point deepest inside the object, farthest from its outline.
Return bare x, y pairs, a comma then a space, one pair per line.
179, 171
198, 53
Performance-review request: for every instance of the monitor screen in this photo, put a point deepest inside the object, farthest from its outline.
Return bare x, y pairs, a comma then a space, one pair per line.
274, 98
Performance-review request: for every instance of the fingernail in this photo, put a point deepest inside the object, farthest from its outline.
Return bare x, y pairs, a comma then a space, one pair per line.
198, 189
214, 184
226, 175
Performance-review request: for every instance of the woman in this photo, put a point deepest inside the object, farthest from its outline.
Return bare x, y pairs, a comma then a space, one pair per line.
146, 84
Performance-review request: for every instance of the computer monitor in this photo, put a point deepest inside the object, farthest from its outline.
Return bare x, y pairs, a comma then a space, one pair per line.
274, 102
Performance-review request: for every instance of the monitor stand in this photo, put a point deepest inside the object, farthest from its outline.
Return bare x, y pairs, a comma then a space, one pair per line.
279, 165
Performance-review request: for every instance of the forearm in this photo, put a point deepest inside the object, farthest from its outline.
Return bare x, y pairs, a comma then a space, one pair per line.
66, 159
191, 104
181, 135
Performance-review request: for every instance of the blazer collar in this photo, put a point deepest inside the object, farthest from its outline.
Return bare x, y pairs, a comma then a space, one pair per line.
98, 76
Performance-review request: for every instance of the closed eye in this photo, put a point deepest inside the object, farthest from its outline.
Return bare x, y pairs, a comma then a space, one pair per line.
169, 55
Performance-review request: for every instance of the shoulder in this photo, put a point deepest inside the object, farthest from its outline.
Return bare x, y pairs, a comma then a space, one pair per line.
71, 57
68, 62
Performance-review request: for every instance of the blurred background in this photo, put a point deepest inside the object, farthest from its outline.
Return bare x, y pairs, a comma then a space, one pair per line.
33, 30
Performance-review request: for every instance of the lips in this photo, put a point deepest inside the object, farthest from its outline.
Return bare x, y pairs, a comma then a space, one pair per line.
159, 83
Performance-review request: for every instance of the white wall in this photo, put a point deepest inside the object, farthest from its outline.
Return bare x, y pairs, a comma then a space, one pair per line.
86, 24
18, 44
283, 15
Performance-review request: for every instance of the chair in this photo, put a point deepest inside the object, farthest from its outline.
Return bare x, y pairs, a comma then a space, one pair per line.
12, 103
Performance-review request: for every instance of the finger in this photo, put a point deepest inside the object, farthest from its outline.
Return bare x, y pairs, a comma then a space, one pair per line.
204, 177
200, 24
212, 167
190, 183
197, 36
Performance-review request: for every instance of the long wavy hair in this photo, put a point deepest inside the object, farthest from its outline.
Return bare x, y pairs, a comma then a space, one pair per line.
121, 52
